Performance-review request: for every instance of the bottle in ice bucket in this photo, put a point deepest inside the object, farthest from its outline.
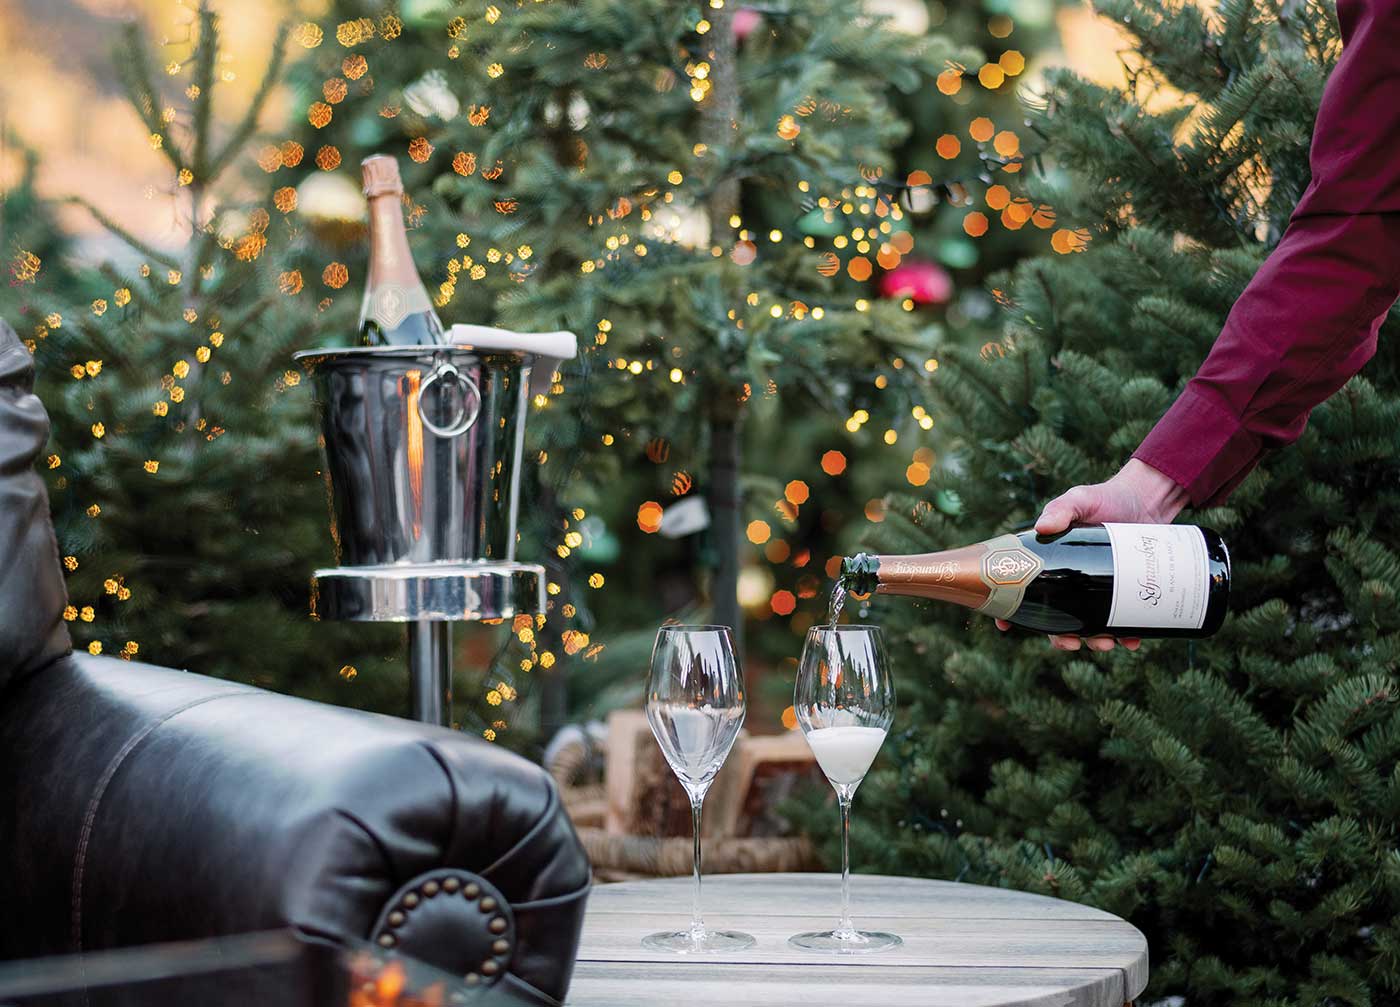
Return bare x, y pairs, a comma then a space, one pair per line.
396, 309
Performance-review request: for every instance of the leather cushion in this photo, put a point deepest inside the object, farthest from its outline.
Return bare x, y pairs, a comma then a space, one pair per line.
144, 805
32, 594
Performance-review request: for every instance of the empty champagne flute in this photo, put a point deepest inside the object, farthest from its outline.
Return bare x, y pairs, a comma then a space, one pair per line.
695, 706
844, 700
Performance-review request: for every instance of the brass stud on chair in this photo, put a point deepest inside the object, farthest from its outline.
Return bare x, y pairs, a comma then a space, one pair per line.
431, 888
472, 979
410, 900
451, 885
386, 940
498, 925
396, 918
489, 967
488, 904
501, 946
472, 890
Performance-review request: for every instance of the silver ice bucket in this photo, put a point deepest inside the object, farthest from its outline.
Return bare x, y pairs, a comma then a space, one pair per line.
422, 449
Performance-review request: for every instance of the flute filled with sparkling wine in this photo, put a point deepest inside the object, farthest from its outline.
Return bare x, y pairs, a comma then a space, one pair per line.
1125, 580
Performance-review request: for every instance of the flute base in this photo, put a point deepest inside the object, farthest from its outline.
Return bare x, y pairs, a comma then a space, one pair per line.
687, 942
846, 942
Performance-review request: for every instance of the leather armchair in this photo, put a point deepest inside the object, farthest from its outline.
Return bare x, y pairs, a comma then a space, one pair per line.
140, 804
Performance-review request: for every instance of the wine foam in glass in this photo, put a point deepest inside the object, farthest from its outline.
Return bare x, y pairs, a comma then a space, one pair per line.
845, 752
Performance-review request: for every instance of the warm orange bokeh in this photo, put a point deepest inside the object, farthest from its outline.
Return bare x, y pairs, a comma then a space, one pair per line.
649, 517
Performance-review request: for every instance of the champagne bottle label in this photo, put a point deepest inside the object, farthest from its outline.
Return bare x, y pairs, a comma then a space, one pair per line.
1161, 576
1007, 567
391, 303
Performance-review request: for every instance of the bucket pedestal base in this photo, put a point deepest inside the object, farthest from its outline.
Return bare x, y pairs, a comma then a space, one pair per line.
436, 592
430, 597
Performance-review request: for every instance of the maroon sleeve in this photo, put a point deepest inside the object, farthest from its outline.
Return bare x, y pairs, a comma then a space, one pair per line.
1308, 320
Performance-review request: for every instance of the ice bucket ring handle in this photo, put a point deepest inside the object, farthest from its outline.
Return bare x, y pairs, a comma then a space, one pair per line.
471, 400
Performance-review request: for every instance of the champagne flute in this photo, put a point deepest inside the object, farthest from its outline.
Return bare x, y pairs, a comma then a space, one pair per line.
844, 700
695, 706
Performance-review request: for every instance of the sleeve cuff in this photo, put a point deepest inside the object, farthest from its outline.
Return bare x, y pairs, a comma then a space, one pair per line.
1201, 446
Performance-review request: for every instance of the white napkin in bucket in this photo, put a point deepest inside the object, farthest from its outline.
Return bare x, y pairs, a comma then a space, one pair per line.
547, 347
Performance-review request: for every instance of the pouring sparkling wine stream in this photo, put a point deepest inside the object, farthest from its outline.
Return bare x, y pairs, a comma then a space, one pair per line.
838, 601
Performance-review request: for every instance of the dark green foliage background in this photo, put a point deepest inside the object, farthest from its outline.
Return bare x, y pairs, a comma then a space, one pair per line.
672, 307
217, 546
1237, 798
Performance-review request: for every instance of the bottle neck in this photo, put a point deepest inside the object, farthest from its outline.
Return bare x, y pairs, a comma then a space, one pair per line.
389, 257
989, 576
860, 573
952, 575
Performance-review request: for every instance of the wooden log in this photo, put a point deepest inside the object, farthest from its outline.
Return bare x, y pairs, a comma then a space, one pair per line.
649, 856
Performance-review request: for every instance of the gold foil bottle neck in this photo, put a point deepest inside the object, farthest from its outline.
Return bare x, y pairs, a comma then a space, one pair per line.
381, 175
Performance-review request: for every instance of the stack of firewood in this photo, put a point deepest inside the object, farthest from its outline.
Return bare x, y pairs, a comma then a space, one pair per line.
635, 823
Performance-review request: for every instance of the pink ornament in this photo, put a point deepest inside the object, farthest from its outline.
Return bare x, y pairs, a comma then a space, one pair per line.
746, 19
921, 281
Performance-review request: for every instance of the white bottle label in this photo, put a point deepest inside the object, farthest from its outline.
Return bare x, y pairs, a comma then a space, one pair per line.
1161, 576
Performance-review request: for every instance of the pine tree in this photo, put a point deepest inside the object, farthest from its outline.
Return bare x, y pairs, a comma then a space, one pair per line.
183, 467
546, 146
1236, 798
631, 172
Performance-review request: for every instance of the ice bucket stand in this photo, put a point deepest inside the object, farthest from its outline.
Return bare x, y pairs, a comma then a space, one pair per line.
430, 596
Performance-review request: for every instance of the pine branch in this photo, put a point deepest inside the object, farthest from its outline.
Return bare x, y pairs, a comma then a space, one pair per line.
204, 58
118, 231
249, 124
134, 68
203, 241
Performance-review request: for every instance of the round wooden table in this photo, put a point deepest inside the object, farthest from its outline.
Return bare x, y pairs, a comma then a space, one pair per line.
964, 946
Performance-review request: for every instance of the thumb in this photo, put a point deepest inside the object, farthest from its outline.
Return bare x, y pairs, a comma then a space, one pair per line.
1063, 511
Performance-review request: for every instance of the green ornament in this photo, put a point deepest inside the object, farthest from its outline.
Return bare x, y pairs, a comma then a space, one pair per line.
419, 12
958, 253
1031, 13
821, 223
601, 548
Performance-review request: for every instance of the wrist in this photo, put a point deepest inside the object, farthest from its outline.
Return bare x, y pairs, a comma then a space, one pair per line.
1162, 498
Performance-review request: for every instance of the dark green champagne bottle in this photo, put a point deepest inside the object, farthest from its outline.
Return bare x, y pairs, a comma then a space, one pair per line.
1125, 580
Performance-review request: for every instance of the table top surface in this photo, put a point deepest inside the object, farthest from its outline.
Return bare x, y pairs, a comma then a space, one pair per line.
964, 946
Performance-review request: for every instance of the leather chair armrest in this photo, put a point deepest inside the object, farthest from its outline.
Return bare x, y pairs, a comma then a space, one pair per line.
151, 805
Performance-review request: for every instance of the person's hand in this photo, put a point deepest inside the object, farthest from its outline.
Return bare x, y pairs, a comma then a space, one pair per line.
1138, 494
